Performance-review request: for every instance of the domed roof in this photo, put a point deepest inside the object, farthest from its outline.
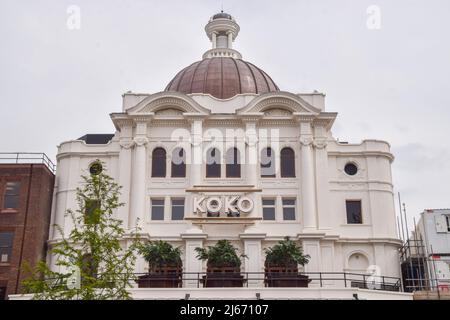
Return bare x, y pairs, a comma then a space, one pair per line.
223, 78
222, 15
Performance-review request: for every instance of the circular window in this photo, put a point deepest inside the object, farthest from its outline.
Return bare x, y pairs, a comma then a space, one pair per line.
351, 169
95, 168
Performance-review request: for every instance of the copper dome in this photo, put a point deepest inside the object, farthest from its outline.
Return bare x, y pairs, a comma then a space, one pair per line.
223, 78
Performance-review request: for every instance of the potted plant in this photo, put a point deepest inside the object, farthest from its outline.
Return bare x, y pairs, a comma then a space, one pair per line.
281, 265
223, 265
164, 265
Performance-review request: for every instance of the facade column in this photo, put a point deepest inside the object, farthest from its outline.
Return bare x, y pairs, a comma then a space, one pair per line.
214, 40
322, 188
196, 152
254, 263
193, 239
307, 178
230, 40
251, 163
126, 144
138, 195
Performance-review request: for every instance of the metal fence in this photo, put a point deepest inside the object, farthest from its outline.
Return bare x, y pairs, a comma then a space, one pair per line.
27, 157
262, 279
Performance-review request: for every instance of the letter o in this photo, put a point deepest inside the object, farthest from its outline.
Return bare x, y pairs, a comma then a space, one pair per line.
245, 208
211, 207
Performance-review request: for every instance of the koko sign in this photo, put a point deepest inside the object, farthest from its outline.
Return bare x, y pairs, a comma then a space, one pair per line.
223, 204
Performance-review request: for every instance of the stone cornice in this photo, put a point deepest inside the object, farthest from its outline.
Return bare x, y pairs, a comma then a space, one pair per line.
364, 153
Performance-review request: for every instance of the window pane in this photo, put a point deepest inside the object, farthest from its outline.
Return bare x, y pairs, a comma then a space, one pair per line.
92, 215
12, 188
287, 163
289, 213
268, 202
267, 163
157, 209
269, 213
6, 242
159, 163
354, 215
178, 163
178, 209
11, 198
213, 163
288, 202
11, 202
233, 166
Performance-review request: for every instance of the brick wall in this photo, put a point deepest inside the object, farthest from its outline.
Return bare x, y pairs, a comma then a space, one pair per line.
30, 222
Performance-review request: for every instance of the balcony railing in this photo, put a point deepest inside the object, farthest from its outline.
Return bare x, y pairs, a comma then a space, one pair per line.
261, 279
27, 157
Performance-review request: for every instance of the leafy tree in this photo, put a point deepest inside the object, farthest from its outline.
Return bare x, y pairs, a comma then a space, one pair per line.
160, 254
286, 253
222, 254
93, 246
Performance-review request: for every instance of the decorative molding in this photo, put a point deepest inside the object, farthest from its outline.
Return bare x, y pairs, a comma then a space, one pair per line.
277, 112
169, 112
140, 141
306, 140
320, 143
126, 144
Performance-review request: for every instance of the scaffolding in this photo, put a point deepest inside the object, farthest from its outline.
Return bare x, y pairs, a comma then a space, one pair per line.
418, 262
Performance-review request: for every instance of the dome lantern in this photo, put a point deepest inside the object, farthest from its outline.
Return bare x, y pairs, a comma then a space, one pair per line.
222, 30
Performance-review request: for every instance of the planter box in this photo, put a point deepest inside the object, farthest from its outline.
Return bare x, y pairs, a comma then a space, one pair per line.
159, 281
282, 277
223, 278
166, 277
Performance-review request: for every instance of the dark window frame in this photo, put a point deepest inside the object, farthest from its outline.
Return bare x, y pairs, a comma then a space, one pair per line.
267, 206
15, 195
233, 169
351, 169
159, 165
213, 169
152, 205
289, 206
178, 170
265, 166
351, 217
7, 247
172, 205
287, 163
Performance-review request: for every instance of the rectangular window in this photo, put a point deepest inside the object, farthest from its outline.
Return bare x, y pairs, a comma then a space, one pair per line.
6, 243
288, 209
11, 198
92, 211
448, 223
2, 293
157, 209
354, 212
177, 209
268, 206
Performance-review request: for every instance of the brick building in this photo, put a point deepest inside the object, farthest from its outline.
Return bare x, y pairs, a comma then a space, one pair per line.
26, 191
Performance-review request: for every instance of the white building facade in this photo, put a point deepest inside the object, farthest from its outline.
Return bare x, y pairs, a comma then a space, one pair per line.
223, 153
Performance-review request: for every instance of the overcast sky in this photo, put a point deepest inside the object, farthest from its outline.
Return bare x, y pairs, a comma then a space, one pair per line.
391, 83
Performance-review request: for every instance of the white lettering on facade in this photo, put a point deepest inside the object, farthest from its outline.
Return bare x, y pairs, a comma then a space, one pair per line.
226, 204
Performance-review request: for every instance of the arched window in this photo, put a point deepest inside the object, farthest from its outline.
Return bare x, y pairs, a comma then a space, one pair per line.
233, 163
213, 163
287, 163
178, 163
267, 163
159, 163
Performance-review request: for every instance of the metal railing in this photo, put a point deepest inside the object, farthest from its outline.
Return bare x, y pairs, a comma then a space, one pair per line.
262, 279
426, 284
27, 157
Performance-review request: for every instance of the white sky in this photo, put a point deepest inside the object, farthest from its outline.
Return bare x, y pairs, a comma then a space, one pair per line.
393, 84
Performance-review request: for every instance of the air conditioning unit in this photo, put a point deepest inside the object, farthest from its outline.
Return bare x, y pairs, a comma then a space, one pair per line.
4, 258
